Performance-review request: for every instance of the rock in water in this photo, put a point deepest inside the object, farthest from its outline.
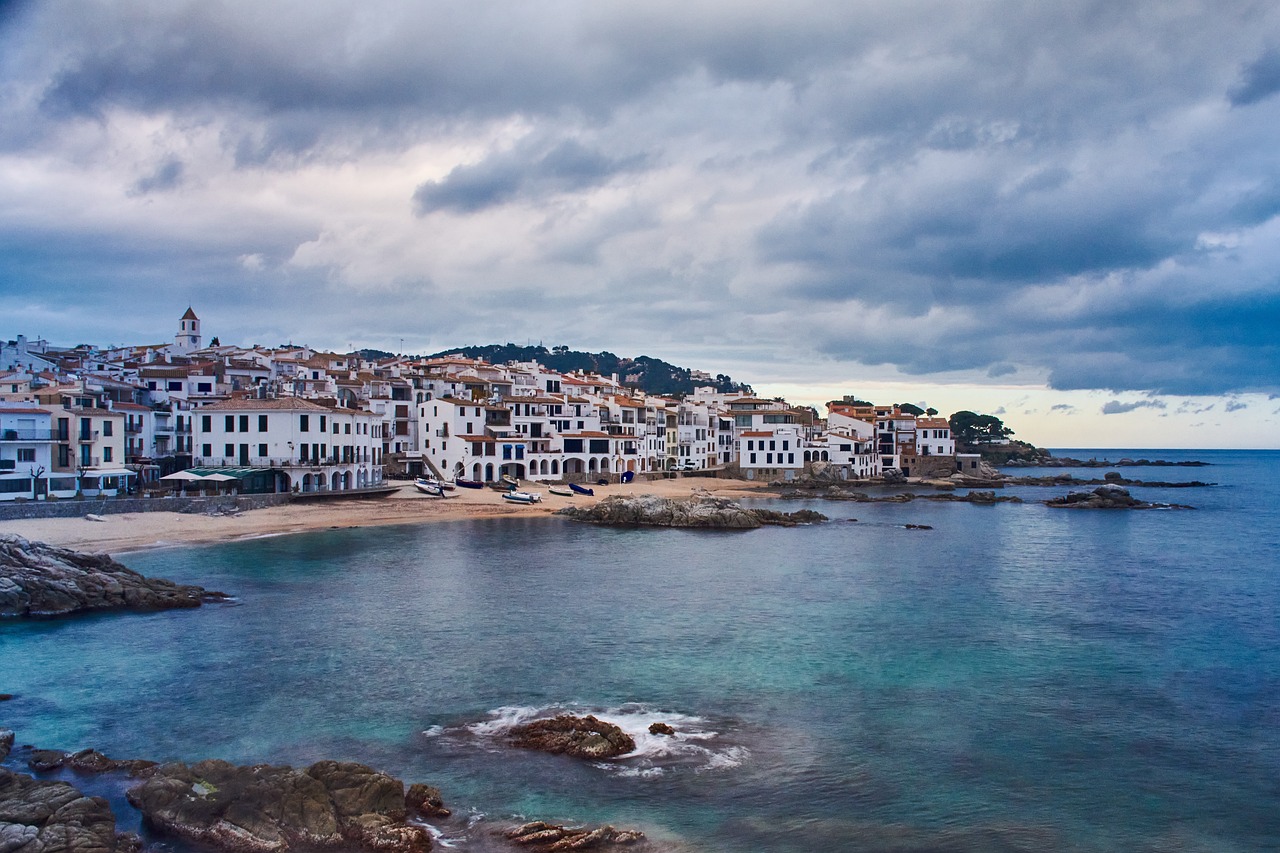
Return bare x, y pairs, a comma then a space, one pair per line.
705, 511
542, 836
53, 817
264, 809
581, 737
40, 580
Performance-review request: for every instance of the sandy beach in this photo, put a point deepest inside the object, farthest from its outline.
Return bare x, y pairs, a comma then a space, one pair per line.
119, 534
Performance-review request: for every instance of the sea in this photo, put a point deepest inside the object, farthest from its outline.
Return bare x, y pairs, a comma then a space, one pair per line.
1000, 678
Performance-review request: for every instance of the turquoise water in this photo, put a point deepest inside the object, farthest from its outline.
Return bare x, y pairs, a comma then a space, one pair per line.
1016, 678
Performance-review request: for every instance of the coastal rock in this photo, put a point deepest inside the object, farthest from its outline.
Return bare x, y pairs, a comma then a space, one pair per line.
265, 809
426, 800
1110, 496
549, 838
6, 743
581, 737
38, 816
704, 511
41, 580
661, 729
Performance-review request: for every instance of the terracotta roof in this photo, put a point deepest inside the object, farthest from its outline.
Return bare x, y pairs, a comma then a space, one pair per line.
279, 404
757, 434
18, 410
190, 315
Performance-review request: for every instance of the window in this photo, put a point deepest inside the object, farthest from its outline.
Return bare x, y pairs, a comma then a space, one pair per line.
206, 422
322, 419
151, 386
302, 452
106, 454
768, 457
204, 387
262, 425
786, 445
106, 427
26, 454
230, 450
230, 423
206, 450
753, 459
174, 386
791, 458
304, 425
751, 445
771, 444
348, 429
262, 450
244, 423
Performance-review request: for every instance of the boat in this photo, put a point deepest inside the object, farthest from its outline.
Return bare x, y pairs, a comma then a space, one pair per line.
469, 484
436, 490
501, 487
509, 480
447, 485
523, 497
582, 490
562, 491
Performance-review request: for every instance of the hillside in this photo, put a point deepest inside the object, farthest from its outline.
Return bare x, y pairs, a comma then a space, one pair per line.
651, 375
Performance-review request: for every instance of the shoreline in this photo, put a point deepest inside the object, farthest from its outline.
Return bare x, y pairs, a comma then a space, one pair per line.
129, 532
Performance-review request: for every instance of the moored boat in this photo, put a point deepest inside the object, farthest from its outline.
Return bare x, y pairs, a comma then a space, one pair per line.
509, 480
428, 488
469, 484
523, 497
582, 490
563, 491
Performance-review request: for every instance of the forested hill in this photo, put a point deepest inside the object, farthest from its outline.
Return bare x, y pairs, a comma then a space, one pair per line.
651, 375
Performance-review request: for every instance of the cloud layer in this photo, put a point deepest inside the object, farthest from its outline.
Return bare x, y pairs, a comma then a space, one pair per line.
1082, 194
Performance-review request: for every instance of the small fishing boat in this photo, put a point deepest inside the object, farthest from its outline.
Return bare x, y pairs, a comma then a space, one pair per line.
582, 490
523, 497
562, 491
501, 487
469, 484
510, 481
432, 482
435, 490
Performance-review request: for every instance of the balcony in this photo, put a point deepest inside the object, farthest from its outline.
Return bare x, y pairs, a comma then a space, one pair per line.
132, 428
27, 435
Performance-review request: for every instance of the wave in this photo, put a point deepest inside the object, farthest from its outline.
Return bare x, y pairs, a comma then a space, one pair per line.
695, 744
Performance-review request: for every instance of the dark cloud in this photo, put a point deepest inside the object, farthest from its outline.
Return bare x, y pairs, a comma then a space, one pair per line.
1236, 406
167, 176
530, 170
1115, 407
1259, 80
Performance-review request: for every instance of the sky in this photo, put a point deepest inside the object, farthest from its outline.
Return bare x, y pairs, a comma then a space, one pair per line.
1067, 214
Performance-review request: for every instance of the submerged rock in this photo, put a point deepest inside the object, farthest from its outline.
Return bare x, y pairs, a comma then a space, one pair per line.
6, 743
581, 737
265, 809
41, 580
706, 511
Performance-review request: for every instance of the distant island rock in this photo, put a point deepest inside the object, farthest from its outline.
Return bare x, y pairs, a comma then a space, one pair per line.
1106, 497
42, 580
705, 511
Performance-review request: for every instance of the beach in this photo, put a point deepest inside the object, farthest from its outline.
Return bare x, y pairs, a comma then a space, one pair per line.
125, 532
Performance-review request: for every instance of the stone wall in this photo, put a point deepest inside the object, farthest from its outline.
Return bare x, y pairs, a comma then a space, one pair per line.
72, 508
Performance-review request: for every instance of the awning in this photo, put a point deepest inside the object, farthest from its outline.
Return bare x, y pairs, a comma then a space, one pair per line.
220, 478
111, 472
220, 474
182, 475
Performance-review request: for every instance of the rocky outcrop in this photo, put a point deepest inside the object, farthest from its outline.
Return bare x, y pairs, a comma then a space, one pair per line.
38, 816
426, 800
264, 809
698, 511
549, 838
84, 761
661, 729
40, 580
839, 494
6, 743
581, 737
1068, 462
1106, 497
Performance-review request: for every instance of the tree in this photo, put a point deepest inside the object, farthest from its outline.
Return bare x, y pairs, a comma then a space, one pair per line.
931, 412
909, 409
215, 342
971, 428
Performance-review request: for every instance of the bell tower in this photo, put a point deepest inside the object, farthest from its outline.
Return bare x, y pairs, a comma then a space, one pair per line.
188, 337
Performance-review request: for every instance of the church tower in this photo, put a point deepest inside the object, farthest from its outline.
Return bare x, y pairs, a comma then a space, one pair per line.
188, 337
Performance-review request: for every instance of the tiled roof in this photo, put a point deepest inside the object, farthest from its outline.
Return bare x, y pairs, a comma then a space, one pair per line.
277, 404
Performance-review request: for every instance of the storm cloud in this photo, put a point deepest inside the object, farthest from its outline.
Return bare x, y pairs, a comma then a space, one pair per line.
1084, 193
